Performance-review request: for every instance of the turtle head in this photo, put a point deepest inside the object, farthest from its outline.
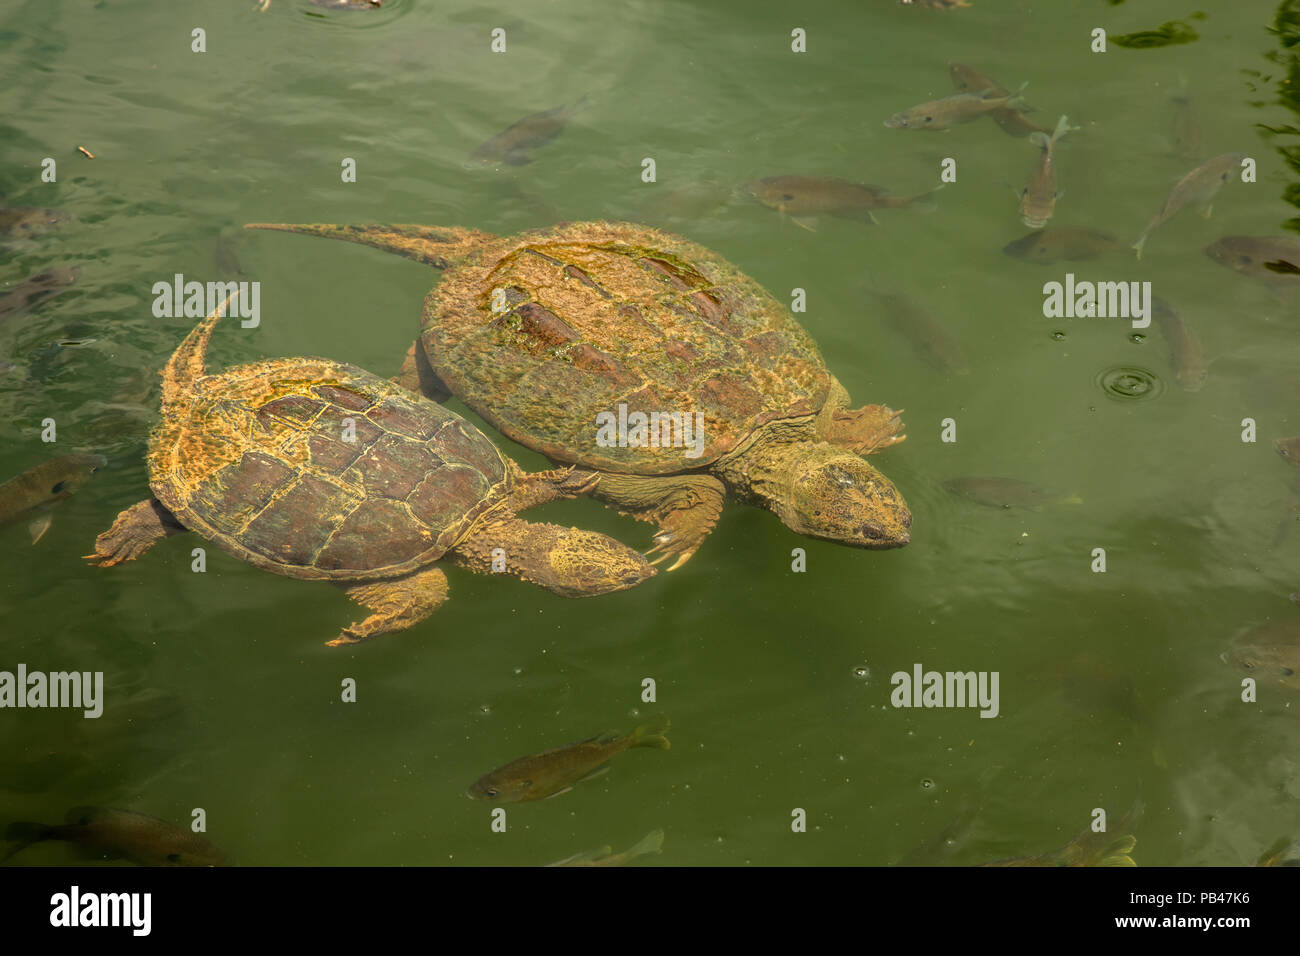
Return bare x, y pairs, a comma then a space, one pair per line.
823, 491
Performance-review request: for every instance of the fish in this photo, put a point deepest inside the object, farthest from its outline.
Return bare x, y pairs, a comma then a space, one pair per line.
931, 341
1089, 848
1187, 127
23, 222
1056, 243
1258, 256
1185, 348
1038, 199
1014, 122
511, 146
1283, 267
689, 201
121, 834
943, 114
1270, 652
30, 496
1273, 855
553, 772
1197, 189
804, 197
347, 4
652, 842
30, 292
1004, 492
936, 4
1289, 448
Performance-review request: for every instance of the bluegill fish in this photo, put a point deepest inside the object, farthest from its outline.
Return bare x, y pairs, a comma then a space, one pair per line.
555, 771
1013, 122
121, 834
35, 289
930, 339
1259, 257
29, 496
1185, 348
264, 5
511, 146
22, 222
805, 197
1056, 243
1038, 199
1197, 189
943, 114
652, 842
1270, 652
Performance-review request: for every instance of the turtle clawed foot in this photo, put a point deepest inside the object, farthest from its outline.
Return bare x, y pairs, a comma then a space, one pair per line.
867, 430
574, 482
667, 544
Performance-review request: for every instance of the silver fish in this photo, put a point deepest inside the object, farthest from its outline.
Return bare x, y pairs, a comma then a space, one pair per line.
1197, 189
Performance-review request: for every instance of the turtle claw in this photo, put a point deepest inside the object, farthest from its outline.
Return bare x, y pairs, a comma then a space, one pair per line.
575, 483
866, 430
668, 545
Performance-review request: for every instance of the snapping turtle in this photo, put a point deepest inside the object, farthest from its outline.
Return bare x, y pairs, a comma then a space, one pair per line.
319, 470
560, 336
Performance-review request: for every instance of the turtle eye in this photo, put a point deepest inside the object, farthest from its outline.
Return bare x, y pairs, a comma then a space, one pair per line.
492, 791
58, 488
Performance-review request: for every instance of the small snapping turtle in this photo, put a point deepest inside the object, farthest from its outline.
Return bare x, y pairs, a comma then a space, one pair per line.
560, 336
319, 470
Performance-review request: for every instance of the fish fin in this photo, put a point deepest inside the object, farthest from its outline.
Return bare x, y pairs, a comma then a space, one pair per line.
1142, 241
552, 796
1274, 852
652, 734
653, 842
602, 769
516, 158
583, 101
1040, 140
1207, 211
925, 201
587, 856
39, 525
805, 222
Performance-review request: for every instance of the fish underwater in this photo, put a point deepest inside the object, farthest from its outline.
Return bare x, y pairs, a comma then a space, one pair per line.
1038, 198
1057, 243
105, 833
1089, 848
1259, 257
1014, 122
1196, 189
1289, 448
943, 114
511, 146
30, 496
1270, 652
35, 289
1004, 492
1185, 348
936, 4
932, 342
651, 843
804, 197
24, 222
553, 772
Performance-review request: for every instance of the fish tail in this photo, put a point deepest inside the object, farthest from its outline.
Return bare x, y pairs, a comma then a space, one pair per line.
925, 201
582, 102
25, 834
653, 842
652, 734
1062, 127
1142, 241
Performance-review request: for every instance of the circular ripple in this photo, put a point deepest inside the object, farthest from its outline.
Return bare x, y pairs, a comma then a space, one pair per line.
1129, 383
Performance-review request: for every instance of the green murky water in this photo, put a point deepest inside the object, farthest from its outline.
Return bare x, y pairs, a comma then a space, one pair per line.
220, 691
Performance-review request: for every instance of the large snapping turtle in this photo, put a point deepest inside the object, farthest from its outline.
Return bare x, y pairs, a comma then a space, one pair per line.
560, 336
320, 470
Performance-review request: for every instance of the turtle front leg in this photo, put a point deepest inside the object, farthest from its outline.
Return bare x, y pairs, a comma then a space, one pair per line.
864, 430
397, 604
568, 561
136, 530
684, 508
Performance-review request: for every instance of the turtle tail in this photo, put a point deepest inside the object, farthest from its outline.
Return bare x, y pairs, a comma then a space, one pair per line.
187, 363
433, 245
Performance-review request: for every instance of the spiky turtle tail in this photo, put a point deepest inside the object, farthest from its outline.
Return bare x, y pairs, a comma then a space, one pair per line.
186, 365
433, 245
